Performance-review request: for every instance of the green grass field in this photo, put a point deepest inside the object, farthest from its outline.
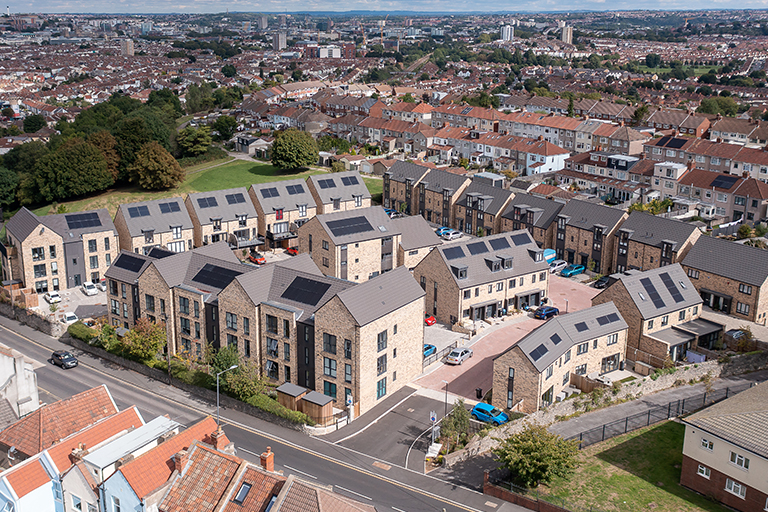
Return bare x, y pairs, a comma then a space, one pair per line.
697, 71
375, 187
636, 471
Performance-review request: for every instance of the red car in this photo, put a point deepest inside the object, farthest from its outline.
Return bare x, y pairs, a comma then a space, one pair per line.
293, 251
257, 258
429, 319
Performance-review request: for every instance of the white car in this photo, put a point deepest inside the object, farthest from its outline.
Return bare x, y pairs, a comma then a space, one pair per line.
89, 288
557, 265
69, 318
102, 285
458, 355
52, 297
452, 235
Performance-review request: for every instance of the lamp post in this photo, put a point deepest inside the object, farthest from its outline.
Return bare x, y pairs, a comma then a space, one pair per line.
446, 399
164, 318
218, 418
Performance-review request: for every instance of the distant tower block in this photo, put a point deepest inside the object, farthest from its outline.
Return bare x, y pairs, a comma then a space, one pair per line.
567, 35
126, 47
507, 33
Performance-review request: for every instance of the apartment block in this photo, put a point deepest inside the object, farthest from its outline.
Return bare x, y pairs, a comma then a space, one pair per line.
224, 216
163, 223
479, 208
340, 191
282, 207
536, 214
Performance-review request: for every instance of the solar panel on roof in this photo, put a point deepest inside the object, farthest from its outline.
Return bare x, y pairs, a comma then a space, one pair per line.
538, 352
676, 143
207, 202
294, 189
671, 287
158, 253
520, 239
663, 141
581, 327
213, 275
466, 111
235, 198
724, 181
306, 291
349, 180
327, 183
266, 193
83, 220
169, 207
128, 262
555, 338
652, 293
613, 317
343, 227
603, 320
477, 248
453, 253
499, 244
138, 211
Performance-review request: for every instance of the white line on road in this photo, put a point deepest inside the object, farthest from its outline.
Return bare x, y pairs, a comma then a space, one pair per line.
249, 451
377, 419
353, 492
398, 509
300, 472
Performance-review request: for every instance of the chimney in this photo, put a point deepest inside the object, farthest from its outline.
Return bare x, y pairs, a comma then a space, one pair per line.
219, 439
78, 453
691, 164
180, 460
268, 460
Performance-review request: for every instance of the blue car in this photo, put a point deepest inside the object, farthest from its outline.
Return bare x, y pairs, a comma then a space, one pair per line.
429, 350
489, 414
545, 312
442, 230
572, 270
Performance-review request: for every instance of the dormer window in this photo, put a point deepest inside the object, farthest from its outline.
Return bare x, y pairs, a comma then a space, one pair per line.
462, 273
279, 214
495, 265
507, 263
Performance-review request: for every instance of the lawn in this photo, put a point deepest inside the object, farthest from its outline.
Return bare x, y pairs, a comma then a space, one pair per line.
376, 188
697, 71
636, 471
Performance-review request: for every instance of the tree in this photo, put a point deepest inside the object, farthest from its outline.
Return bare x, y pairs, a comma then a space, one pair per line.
226, 126
167, 101
653, 60
155, 168
34, 123
224, 359
105, 142
570, 107
76, 168
293, 149
719, 105
9, 185
640, 113
7, 112
535, 455
194, 141
229, 71
244, 382
745, 231
455, 427
145, 340
24, 157
408, 98
338, 167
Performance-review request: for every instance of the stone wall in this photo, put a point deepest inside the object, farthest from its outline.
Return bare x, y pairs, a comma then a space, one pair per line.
37, 322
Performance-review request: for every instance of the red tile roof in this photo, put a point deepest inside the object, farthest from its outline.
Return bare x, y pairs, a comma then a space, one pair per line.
27, 477
263, 486
51, 423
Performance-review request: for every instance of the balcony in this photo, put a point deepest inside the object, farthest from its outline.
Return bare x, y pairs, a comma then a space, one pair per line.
285, 235
242, 243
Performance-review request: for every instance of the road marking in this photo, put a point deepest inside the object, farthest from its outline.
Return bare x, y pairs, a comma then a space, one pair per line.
490, 504
377, 419
300, 472
381, 465
398, 509
408, 453
249, 451
353, 492
54, 395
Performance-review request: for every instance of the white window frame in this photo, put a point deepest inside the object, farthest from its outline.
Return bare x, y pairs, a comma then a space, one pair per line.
703, 471
735, 488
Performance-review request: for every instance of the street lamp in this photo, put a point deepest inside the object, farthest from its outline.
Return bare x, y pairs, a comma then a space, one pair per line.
446, 398
218, 419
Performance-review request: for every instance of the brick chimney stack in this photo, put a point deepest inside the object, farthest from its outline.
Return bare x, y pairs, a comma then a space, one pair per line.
268, 460
180, 460
219, 439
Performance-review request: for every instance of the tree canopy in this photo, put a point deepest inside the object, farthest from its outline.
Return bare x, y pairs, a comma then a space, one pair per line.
155, 168
293, 149
145, 340
74, 169
34, 123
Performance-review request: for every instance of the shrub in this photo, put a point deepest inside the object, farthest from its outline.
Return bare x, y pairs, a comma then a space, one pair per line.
265, 403
82, 332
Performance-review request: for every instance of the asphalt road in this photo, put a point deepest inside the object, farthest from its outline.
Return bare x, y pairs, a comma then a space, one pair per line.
351, 473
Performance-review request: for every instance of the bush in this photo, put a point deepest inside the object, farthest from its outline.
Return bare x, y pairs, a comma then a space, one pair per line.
271, 406
82, 332
209, 156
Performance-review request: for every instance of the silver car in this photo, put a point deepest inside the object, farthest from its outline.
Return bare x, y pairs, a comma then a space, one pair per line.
458, 355
557, 265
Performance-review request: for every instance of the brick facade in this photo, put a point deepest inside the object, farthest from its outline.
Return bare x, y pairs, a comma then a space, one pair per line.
143, 243
710, 286
754, 500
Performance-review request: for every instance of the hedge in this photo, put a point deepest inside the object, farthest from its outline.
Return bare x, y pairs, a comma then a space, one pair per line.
82, 332
271, 406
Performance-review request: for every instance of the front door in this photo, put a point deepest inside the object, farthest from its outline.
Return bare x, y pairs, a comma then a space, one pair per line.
78, 280
571, 256
584, 260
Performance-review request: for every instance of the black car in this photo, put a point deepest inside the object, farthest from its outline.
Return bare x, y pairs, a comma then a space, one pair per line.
602, 282
64, 359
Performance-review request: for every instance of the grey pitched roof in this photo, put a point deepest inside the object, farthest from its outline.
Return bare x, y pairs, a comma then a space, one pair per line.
586, 215
740, 419
457, 256
22, 224
381, 295
641, 296
341, 189
493, 197
545, 210
156, 221
118, 270
401, 171
564, 326
224, 210
416, 233
283, 200
652, 230
728, 259
181, 269
381, 225
437, 180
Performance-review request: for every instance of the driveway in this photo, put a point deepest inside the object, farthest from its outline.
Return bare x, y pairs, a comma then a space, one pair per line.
73, 299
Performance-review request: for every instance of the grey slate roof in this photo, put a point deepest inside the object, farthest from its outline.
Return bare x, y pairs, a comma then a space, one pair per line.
652, 230
740, 419
416, 233
381, 295
340, 190
24, 222
639, 294
564, 327
587, 215
124, 275
380, 222
180, 269
541, 219
401, 171
728, 259
156, 220
478, 270
288, 202
493, 197
437, 180
224, 210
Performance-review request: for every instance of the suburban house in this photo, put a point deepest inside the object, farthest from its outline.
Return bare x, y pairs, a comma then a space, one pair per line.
360, 244
536, 214
162, 223
224, 216
662, 309
339, 191
479, 208
483, 278
730, 277
725, 451
399, 183
282, 206
585, 234
41, 252
537, 370
434, 197
646, 241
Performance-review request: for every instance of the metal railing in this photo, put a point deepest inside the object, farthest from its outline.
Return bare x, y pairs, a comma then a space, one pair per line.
439, 355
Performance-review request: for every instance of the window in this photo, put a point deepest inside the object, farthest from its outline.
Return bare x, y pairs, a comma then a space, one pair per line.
329, 367
92, 246
512, 283
286, 329
742, 308
582, 348
40, 271
52, 251
106, 243
272, 347
77, 504
549, 371
108, 258
707, 444
693, 274
197, 310
149, 300
162, 306
581, 370
242, 493
231, 320
38, 253
348, 349
325, 245
184, 306
381, 388
735, 488
703, 471
149, 237
347, 373
467, 294
567, 356
115, 504
613, 339
381, 364
123, 291
246, 323
272, 324
231, 340
745, 289
329, 343
185, 326
287, 351
490, 288
566, 378
329, 389
664, 320
197, 331
381, 343
695, 310
740, 460
336, 204
650, 324
326, 263
273, 370
302, 210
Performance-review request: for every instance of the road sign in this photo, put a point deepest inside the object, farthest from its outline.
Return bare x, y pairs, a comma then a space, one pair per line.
432, 416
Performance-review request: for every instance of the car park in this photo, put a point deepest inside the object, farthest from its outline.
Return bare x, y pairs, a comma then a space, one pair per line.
442, 230
545, 312
452, 235
69, 318
557, 266
257, 258
572, 270
429, 349
489, 414
52, 297
292, 251
89, 288
64, 359
429, 319
458, 355
602, 282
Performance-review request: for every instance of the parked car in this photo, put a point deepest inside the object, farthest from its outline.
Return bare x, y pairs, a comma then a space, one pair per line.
64, 359
557, 266
489, 414
89, 288
545, 312
458, 355
429, 319
452, 235
69, 318
52, 297
602, 282
292, 251
442, 230
572, 270
257, 258
102, 284
429, 349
